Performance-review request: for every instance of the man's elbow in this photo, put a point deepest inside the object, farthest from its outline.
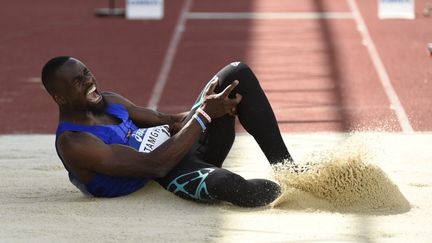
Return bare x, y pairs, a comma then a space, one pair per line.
159, 169
159, 172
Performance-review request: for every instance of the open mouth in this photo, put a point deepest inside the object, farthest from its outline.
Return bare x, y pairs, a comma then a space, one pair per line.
92, 95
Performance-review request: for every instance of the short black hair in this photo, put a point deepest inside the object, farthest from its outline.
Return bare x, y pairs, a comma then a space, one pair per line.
49, 71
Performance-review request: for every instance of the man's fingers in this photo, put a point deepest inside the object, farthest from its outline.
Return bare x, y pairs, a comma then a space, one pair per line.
230, 88
233, 112
238, 98
212, 86
234, 102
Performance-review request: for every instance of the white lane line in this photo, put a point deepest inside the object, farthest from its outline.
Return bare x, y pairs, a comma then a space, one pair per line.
169, 56
395, 103
270, 15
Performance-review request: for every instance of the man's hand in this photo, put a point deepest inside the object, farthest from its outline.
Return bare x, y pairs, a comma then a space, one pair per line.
177, 121
217, 105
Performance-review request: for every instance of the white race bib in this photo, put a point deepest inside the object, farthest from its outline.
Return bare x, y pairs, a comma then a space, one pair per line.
147, 139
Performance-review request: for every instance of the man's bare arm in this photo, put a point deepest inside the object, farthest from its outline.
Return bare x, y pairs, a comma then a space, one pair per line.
82, 151
144, 117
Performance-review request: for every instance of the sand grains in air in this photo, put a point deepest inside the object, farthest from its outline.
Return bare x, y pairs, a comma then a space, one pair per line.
343, 179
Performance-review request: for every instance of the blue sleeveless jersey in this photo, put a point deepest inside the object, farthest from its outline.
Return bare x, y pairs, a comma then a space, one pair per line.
103, 185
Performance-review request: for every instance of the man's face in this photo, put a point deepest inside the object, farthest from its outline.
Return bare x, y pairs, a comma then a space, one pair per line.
79, 87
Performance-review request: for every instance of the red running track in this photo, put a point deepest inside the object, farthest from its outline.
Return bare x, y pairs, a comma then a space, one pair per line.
317, 73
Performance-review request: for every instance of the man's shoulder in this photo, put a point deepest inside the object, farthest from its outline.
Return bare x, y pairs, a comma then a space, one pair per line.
69, 139
114, 98
79, 151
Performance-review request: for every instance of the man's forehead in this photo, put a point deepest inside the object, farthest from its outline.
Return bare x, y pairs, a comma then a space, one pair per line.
71, 67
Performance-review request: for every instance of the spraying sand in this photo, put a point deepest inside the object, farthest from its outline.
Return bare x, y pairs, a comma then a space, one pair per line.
342, 179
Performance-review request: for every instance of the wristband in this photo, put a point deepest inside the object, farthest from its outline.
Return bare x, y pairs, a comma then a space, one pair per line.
200, 122
202, 112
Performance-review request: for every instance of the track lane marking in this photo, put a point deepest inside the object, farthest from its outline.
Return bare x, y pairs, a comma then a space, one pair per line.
169, 56
270, 15
384, 78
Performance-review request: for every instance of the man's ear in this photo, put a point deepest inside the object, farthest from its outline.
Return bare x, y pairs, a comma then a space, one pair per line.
59, 99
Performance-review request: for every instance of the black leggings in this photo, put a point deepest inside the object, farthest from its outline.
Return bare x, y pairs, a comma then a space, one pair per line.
199, 175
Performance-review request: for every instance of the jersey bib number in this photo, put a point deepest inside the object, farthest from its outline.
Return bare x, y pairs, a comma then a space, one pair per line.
147, 139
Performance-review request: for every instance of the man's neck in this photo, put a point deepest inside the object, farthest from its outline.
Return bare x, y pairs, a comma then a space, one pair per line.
79, 117
88, 117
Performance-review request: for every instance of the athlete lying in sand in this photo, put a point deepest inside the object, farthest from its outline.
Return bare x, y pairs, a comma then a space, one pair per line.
112, 147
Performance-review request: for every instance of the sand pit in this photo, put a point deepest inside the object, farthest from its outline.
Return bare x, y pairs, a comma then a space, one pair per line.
38, 203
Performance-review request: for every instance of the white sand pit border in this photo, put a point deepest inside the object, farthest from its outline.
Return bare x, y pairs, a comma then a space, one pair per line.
38, 203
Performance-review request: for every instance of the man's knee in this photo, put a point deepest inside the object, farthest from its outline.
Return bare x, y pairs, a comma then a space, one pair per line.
237, 71
238, 66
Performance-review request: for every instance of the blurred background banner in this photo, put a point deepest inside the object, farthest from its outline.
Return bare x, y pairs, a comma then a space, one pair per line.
396, 9
144, 9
